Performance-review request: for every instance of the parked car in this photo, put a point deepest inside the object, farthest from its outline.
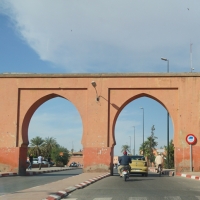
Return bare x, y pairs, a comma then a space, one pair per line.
73, 164
51, 163
35, 161
45, 162
139, 165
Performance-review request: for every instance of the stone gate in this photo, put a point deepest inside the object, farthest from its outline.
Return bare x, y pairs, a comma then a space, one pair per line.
99, 105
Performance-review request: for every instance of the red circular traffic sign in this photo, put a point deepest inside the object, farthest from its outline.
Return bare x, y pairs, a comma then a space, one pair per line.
191, 139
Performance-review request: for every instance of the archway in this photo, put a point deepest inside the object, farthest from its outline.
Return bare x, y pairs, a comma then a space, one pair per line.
65, 126
128, 129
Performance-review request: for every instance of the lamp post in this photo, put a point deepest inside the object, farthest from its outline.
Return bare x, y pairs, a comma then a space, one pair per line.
94, 85
134, 141
165, 59
143, 131
130, 141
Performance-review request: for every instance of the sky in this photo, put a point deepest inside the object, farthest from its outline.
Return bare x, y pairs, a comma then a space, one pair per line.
99, 37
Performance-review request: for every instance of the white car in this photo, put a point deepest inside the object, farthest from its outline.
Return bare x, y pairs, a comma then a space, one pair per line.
35, 161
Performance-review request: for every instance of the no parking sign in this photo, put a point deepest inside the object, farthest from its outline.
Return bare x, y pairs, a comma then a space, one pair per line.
191, 139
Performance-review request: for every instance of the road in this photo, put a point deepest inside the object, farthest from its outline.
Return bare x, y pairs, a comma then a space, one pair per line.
12, 184
137, 187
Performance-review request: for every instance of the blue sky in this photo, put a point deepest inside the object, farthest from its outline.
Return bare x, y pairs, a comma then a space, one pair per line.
94, 37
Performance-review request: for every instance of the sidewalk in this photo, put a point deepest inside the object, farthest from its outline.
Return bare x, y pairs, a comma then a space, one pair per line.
56, 190
36, 171
171, 172
192, 175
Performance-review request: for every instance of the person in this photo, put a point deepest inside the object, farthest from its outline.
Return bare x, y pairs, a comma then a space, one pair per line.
124, 161
30, 161
40, 161
159, 161
49, 161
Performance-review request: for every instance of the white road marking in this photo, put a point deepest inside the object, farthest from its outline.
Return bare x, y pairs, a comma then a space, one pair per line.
106, 198
173, 198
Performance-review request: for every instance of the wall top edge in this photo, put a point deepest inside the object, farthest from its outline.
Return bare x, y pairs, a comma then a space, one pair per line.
97, 75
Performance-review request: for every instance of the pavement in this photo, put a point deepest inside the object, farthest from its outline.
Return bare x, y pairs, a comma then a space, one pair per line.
36, 171
60, 189
171, 172
55, 190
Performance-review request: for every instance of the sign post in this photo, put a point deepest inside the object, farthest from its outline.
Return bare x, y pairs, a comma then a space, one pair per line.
191, 139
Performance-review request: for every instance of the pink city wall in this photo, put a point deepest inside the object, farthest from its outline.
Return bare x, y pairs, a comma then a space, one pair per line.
22, 94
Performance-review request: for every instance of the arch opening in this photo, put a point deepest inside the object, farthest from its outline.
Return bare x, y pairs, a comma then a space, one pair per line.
129, 123
54, 117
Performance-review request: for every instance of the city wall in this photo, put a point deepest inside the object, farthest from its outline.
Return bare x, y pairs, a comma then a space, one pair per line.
22, 94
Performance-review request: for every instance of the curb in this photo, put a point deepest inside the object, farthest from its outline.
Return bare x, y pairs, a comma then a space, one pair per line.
188, 176
8, 174
41, 172
34, 173
60, 194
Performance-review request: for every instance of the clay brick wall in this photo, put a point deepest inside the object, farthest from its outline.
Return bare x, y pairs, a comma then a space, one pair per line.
22, 94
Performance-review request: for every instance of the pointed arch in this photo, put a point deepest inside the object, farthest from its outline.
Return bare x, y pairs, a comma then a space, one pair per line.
30, 113
125, 104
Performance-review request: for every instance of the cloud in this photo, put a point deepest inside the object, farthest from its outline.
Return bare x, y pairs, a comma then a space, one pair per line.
108, 36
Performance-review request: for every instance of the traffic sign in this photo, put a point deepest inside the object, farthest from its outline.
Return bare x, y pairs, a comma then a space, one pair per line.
191, 139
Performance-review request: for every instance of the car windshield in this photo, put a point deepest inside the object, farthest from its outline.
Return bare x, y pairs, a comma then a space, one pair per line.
137, 158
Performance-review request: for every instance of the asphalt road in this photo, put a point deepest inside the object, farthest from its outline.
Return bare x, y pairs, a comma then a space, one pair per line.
137, 187
12, 184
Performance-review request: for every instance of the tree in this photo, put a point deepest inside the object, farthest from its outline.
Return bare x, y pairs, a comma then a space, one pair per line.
125, 148
36, 146
49, 144
171, 155
149, 146
55, 155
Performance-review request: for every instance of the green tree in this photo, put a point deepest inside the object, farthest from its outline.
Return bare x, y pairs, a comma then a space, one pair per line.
149, 146
171, 156
36, 146
125, 148
48, 145
55, 155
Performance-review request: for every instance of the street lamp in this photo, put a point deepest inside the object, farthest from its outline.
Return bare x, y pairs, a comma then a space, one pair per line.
143, 130
134, 141
165, 59
130, 142
94, 85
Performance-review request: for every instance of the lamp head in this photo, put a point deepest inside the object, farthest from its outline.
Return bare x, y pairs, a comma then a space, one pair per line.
94, 84
165, 59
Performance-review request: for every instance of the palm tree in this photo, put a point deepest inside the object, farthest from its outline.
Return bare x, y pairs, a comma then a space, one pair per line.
36, 145
125, 148
49, 144
149, 146
171, 155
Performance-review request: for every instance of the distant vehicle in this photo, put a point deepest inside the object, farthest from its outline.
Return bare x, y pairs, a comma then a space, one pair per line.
51, 163
45, 162
73, 164
139, 165
35, 161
